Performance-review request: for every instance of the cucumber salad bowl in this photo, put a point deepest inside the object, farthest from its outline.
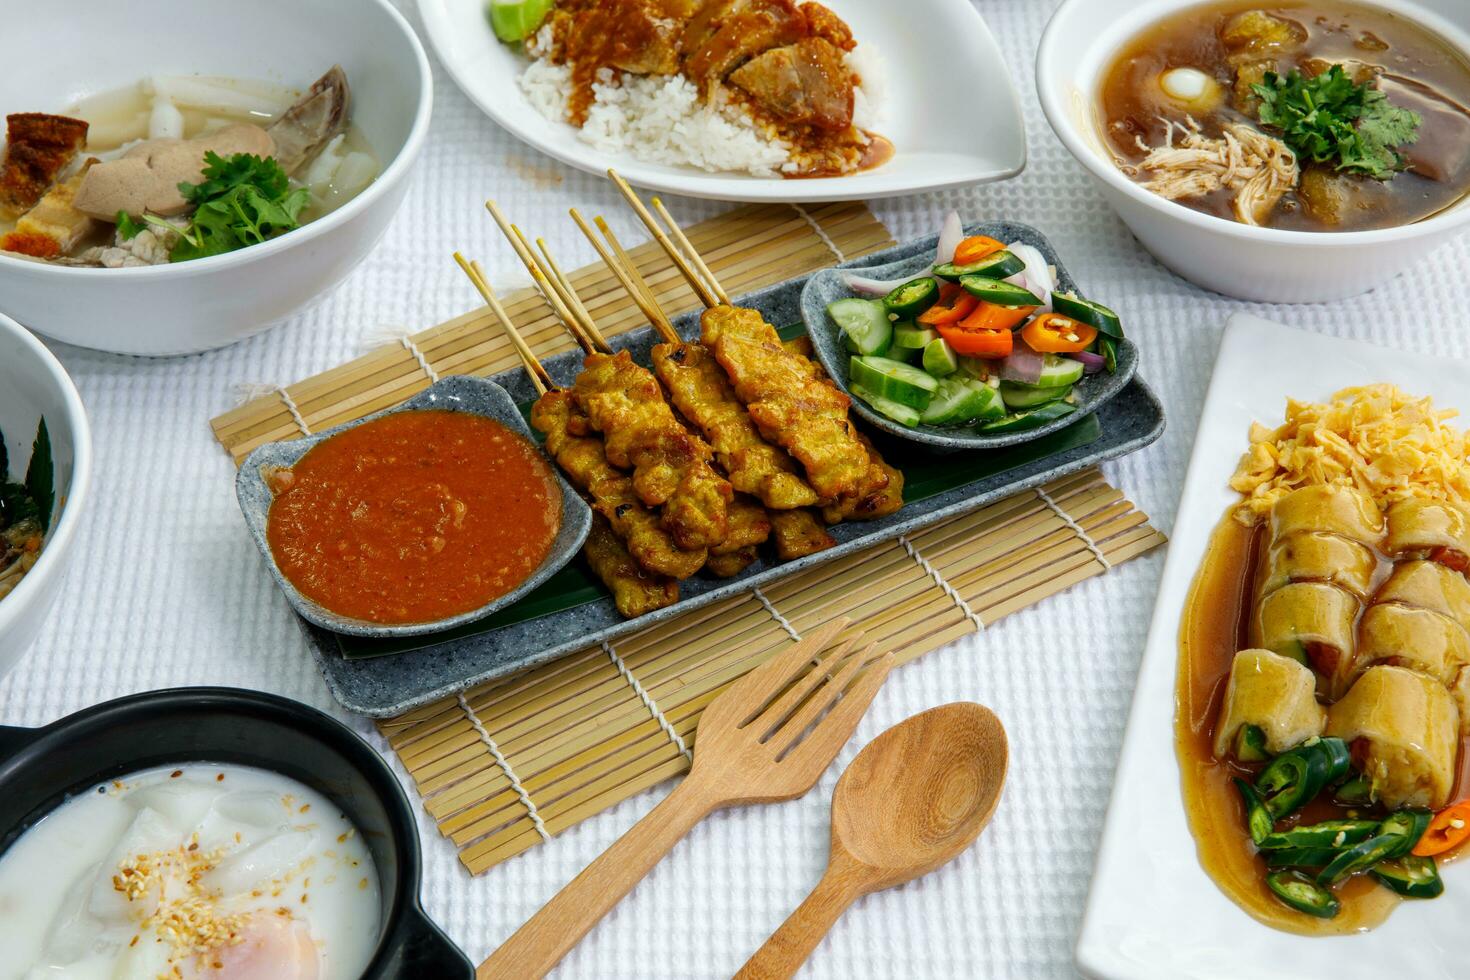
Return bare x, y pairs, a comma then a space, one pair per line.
971, 338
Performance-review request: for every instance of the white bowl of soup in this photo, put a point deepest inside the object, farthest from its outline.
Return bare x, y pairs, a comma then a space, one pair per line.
35, 547
197, 270
1193, 121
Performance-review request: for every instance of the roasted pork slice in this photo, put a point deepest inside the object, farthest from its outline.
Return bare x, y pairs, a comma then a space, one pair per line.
636, 36
742, 30
38, 149
805, 83
54, 226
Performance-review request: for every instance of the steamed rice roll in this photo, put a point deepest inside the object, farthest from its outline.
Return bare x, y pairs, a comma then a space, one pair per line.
1274, 693
1433, 529
1420, 639
1429, 585
1319, 557
1404, 729
1312, 623
1335, 509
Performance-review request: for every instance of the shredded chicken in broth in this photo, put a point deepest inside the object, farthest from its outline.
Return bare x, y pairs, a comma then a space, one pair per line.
1314, 115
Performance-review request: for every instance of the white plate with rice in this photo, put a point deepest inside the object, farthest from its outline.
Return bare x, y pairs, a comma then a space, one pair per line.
934, 83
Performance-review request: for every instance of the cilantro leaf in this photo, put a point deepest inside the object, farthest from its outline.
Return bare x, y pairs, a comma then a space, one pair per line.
243, 200
127, 227
1332, 119
41, 476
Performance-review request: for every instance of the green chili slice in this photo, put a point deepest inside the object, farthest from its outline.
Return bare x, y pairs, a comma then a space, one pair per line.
1301, 893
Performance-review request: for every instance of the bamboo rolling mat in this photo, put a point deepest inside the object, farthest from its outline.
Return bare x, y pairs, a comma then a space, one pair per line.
506, 765
748, 248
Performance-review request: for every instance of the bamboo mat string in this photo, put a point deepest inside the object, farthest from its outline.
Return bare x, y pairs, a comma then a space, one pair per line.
418, 355
940, 581
504, 764
1067, 519
781, 620
250, 391
648, 702
820, 231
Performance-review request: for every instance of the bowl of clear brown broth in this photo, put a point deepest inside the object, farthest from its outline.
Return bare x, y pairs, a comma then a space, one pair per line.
1282, 152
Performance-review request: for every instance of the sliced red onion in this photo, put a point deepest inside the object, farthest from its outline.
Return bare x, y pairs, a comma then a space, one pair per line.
1036, 276
951, 233
1022, 364
1091, 363
877, 287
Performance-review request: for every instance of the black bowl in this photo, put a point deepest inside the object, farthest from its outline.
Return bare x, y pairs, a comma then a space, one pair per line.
40, 768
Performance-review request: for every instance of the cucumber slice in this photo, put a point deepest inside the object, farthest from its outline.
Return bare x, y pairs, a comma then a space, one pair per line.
996, 265
912, 298
960, 401
999, 292
902, 414
516, 20
1018, 395
1057, 371
1030, 420
977, 367
893, 380
1088, 312
909, 355
912, 336
864, 324
939, 358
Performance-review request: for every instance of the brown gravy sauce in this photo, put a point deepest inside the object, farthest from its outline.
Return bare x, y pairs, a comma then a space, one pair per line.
1215, 625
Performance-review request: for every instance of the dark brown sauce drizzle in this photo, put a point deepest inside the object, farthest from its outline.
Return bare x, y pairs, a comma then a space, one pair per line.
1215, 625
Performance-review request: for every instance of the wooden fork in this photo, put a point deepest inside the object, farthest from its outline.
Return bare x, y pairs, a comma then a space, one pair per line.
767, 737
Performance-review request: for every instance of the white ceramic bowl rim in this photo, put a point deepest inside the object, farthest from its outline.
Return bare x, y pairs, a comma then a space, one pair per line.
36, 579
1054, 105
385, 179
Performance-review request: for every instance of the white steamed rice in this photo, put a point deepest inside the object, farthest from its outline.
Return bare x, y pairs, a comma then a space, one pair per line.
660, 118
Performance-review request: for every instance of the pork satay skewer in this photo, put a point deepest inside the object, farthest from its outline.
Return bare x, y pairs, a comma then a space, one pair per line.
699, 389
557, 416
670, 465
882, 491
805, 415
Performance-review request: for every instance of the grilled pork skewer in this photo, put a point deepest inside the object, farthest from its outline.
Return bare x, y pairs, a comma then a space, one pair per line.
747, 522
700, 391
788, 396
623, 401
698, 388
628, 551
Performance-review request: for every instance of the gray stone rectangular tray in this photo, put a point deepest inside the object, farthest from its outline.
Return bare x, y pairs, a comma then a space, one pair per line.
388, 685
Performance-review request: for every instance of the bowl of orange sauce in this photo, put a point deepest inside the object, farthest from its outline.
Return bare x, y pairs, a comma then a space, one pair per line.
416, 519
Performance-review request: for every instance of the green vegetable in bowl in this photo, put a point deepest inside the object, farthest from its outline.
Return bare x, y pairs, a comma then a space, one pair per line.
25, 510
1329, 118
243, 200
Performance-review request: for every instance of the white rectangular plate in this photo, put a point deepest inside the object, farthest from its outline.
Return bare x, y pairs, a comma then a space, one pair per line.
1153, 913
930, 50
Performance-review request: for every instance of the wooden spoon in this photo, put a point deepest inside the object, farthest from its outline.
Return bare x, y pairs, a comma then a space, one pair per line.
913, 799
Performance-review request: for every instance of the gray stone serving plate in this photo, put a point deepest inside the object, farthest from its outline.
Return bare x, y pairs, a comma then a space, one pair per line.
476, 396
390, 684
914, 258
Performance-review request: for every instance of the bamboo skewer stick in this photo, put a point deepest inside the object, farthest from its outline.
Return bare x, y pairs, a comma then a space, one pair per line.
643, 301
538, 374
630, 271
584, 322
694, 256
706, 295
517, 242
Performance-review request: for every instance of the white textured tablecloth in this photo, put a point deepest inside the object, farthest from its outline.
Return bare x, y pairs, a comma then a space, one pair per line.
168, 590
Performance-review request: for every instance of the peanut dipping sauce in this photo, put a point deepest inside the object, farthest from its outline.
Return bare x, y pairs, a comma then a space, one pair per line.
414, 516
1215, 625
